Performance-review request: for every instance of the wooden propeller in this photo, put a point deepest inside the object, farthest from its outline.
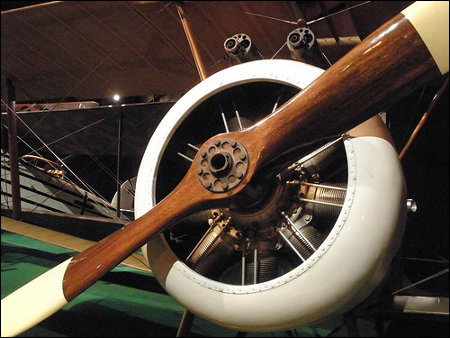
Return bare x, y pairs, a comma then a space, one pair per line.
403, 54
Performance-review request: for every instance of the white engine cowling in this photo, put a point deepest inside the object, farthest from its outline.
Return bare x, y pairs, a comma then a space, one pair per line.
355, 248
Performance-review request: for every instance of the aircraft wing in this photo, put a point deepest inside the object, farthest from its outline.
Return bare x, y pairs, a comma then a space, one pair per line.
58, 238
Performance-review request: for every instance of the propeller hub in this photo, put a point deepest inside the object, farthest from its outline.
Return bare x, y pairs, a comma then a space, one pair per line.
222, 165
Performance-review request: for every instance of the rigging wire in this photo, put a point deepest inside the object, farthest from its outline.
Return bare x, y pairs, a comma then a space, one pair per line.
335, 13
96, 160
94, 69
279, 50
229, 9
421, 281
295, 23
68, 135
385, 297
36, 152
270, 17
84, 184
170, 43
315, 21
104, 167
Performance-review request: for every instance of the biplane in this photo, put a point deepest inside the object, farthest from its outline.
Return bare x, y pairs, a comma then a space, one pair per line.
269, 168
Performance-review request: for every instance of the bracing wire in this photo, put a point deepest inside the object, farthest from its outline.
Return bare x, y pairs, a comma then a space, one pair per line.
84, 184
94, 69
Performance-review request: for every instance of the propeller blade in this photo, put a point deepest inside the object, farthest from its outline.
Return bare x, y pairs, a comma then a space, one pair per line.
389, 64
409, 50
47, 293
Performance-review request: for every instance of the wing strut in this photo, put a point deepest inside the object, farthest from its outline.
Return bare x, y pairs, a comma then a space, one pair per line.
199, 62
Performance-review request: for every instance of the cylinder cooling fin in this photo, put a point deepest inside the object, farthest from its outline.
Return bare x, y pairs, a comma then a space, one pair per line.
294, 249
